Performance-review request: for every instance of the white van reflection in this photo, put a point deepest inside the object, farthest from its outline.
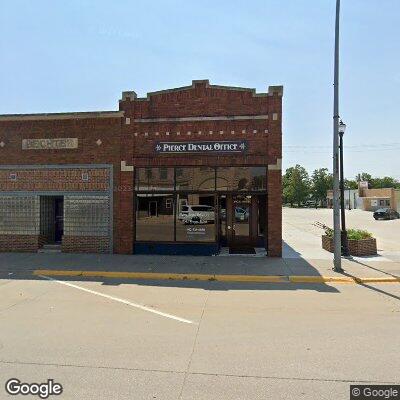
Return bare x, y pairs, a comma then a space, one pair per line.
196, 214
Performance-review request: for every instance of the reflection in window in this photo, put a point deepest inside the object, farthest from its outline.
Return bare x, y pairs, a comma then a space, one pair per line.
155, 217
241, 217
163, 173
153, 179
195, 178
241, 178
195, 218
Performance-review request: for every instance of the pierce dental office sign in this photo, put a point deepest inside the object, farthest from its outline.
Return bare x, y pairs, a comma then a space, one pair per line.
233, 146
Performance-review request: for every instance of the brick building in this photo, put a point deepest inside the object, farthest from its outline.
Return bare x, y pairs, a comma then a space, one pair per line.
183, 171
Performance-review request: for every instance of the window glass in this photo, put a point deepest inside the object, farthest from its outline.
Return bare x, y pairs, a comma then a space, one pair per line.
241, 178
155, 217
153, 179
163, 172
195, 218
241, 218
195, 178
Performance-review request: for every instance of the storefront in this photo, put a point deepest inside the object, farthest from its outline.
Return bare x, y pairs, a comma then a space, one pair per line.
190, 170
186, 210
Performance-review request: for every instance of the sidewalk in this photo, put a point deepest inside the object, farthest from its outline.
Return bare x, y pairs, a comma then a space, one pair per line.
232, 268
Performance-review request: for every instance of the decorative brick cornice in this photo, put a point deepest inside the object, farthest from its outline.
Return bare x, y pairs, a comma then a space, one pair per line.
131, 95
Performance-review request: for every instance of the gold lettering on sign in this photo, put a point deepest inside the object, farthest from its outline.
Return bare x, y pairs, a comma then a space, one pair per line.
49, 144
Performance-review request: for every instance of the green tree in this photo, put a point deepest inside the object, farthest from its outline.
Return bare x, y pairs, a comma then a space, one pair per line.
350, 184
378, 183
385, 182
364, 177
321, 182
296, 185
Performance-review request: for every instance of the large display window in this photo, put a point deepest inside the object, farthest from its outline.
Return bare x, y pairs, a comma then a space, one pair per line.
195, 178
155, 217
154, 179
241, 178
195, 218
179, 204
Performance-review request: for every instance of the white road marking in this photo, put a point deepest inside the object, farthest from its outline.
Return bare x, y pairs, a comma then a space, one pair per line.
129, 303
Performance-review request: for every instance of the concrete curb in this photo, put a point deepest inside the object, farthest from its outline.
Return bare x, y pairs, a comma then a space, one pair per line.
220, 278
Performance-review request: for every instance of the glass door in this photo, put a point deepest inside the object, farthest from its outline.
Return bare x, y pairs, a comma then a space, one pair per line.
241, 219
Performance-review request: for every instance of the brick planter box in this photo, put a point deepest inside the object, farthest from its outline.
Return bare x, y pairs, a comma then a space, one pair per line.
364, 247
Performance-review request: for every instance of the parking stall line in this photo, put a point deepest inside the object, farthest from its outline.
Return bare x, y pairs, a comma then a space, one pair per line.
123, 301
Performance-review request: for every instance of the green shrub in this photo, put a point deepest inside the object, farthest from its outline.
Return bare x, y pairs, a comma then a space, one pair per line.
352, 234
358, 234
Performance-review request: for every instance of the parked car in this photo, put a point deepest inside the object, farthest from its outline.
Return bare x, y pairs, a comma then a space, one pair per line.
196, 214
386, 213
310, 204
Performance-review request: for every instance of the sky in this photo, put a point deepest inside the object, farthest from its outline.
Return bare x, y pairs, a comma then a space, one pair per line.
79, 55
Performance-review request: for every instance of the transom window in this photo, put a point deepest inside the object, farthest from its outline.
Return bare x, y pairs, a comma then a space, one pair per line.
201, 179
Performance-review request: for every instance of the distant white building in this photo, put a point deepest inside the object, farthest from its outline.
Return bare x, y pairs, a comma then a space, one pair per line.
351, 199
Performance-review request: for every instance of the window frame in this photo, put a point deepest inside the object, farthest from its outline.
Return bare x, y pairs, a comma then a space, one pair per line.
174, 192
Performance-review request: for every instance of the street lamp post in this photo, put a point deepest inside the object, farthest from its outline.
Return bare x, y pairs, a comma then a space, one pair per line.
337, 260
345, 243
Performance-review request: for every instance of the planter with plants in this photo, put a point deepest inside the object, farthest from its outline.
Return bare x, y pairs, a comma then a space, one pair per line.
361, 243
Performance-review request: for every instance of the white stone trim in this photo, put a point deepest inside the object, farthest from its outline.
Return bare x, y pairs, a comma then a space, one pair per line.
126, 168
277, 166
71, 115
200, 119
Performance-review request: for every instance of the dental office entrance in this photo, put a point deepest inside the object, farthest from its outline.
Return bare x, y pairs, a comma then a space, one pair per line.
242, 225
199, 210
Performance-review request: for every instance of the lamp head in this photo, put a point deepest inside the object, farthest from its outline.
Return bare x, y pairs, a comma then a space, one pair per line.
342, 127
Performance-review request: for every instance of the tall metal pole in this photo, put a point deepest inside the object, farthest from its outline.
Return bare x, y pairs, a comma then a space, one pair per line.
345, 243
337, 261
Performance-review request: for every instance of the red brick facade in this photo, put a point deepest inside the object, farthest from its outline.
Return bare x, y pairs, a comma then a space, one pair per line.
68, 179
87, 244
21, 243
126, 139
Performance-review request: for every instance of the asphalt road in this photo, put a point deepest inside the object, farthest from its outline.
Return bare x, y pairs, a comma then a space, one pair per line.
198, 340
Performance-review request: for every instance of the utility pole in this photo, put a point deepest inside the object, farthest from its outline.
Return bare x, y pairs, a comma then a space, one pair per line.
337, 261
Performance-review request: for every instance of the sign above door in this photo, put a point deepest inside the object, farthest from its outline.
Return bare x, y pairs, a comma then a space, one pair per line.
231, 146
